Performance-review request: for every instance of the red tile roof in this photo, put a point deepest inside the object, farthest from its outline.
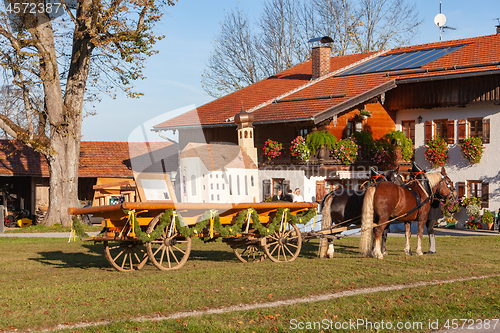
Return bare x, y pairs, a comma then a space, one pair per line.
479, 52
219, 156
97, 159
219, 110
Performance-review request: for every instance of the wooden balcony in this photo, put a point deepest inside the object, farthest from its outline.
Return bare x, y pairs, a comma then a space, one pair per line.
323, 157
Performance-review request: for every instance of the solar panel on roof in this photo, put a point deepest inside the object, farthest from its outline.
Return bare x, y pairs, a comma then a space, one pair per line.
400, 61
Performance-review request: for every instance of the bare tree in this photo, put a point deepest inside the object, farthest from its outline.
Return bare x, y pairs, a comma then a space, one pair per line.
234, 62
55, 54
385, 24
282, 43
339, 19
285, 26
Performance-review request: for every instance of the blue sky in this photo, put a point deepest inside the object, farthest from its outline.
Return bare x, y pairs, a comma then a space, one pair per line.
174, 74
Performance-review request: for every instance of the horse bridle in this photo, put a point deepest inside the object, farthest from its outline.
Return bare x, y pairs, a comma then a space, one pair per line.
449, 185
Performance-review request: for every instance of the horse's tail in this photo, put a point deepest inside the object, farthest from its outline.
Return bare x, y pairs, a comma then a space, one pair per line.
365, 244
326, 210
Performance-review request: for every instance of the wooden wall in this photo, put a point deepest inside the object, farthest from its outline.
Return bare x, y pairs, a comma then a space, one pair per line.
381, 122
441, 93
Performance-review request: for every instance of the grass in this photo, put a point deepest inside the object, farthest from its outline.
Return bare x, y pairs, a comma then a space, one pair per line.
46, 282
53, 228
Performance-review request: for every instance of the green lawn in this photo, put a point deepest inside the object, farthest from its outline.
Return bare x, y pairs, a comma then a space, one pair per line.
46, 282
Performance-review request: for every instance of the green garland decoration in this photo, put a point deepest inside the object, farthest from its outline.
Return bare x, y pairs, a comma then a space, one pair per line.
271, 228
78, 228
223, 231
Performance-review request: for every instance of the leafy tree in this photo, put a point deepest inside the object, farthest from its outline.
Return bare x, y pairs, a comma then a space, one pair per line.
52, 56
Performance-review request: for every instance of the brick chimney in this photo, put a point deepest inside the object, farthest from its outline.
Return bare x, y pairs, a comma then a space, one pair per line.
320, 56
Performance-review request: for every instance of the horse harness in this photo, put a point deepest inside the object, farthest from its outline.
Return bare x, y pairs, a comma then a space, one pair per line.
430, 196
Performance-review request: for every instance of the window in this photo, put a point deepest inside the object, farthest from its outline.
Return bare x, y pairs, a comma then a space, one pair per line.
238, 184
230, 186
184, 185
353, 126
475, 188
251, 181
443, 127
440, 128
409, 129
475, 128
303, 132
246, 185
193, 185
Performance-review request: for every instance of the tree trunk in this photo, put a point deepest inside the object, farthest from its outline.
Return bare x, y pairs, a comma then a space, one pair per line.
63, 167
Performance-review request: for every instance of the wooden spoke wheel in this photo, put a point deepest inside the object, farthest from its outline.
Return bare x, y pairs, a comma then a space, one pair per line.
283, 245
249, 253
170, 251
125, 256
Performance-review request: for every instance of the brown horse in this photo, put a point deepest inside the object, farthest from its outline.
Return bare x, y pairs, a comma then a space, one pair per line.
346, 205
389, 201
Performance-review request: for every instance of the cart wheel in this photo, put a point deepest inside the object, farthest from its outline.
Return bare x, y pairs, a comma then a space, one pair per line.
169, 251
283, 245
249, 253
125, 256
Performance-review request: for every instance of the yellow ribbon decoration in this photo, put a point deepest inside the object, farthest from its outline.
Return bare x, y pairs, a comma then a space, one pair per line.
315, 217
72, 234
248, 220
131, 220
283, 219
173, 229
211, 224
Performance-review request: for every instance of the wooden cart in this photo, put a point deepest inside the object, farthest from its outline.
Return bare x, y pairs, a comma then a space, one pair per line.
126, 252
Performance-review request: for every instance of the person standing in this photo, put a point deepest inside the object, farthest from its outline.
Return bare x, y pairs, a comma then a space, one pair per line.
289, 196
278, 196
296, 196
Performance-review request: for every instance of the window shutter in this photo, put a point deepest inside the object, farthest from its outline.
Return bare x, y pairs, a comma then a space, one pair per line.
486, 130
485, 195
428, 130
462, 129
267, 188
461, 189
450, 131
286, 186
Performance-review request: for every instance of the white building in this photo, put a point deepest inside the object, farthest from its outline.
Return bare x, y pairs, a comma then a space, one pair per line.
221, 173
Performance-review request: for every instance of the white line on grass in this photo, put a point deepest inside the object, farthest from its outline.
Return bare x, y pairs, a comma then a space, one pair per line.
246, 307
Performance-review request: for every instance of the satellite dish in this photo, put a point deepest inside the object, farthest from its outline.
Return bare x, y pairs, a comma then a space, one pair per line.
440, 20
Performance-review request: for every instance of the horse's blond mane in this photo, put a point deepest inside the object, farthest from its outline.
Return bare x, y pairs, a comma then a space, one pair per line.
434, 178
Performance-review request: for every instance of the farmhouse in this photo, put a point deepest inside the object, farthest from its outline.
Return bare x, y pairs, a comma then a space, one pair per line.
106, 173
449, 88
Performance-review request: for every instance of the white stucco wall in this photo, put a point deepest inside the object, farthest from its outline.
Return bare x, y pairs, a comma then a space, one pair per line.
213, 186
458, 169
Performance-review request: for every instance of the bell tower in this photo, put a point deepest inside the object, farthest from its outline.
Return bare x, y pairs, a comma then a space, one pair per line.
245, 132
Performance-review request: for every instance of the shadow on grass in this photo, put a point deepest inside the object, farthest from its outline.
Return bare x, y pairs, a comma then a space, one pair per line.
59, 259
213, 255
